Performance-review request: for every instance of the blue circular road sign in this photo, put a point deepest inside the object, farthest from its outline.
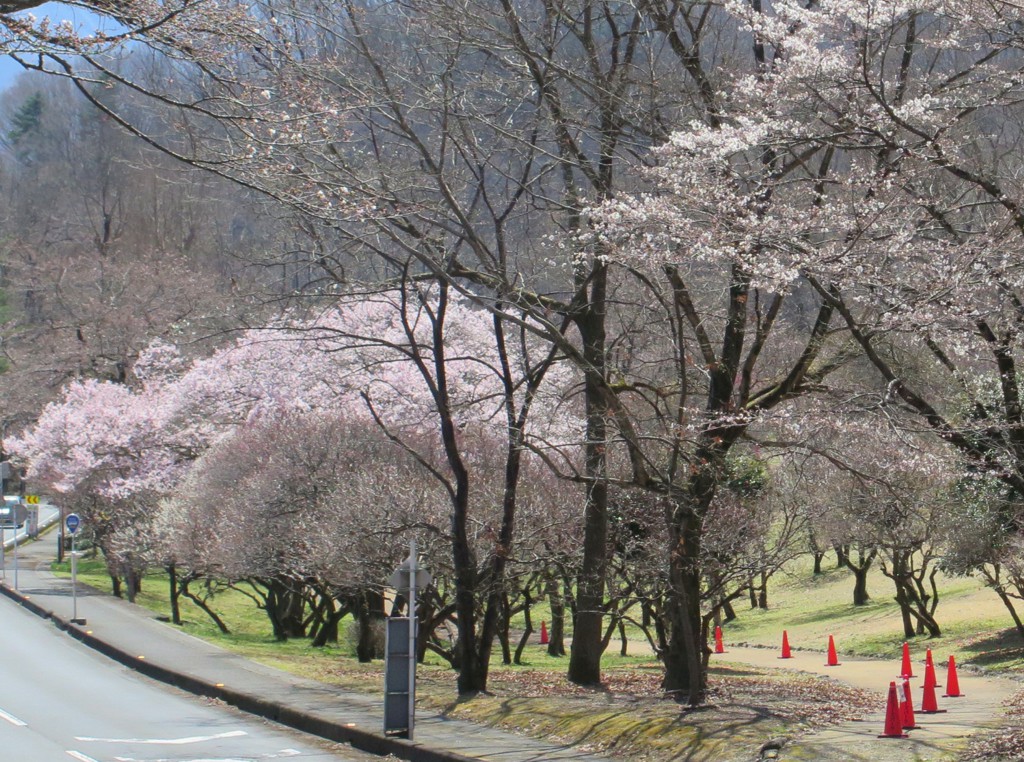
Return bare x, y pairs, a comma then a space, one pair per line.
72, 522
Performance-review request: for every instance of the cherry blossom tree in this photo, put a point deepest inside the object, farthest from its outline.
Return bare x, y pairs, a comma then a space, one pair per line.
424, 370
862, 170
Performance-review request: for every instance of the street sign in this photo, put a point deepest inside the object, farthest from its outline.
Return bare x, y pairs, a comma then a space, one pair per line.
399, 578
400, 650
72, 522
32, 499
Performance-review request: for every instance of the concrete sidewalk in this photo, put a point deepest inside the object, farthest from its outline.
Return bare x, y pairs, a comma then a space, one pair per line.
132, 636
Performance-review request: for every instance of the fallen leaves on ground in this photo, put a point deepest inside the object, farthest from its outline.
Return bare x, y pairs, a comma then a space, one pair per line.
804, 698
1006, 743
629, 716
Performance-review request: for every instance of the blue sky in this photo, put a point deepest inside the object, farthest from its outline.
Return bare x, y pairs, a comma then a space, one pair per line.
83, 20
8, 71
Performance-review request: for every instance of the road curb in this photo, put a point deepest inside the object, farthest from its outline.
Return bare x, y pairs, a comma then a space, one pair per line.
305, 722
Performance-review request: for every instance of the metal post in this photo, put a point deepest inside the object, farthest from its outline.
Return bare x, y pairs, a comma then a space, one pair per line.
15, 531
412, 636
74, 580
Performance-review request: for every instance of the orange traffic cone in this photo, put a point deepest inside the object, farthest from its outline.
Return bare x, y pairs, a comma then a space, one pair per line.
786, 653
928, 703
833, 658
893, 717
929, 672
543, 633
907, 706
719, 645
952, 681
908, 670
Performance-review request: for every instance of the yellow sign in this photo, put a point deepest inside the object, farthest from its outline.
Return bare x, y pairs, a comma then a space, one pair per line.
32, 499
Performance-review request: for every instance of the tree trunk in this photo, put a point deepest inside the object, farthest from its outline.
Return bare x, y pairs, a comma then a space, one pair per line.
899, 575
556, 632
328, 630
174, 593
293, 612
860, 573
472, 677
369, 616
818, 558
284, 609
842, 554
685, 678
131, 584
585, 652
203, 605
504, 639
860, 587
1008, 602
727, 610
908, 621
993, 579
762, 591
527, 630
496, 608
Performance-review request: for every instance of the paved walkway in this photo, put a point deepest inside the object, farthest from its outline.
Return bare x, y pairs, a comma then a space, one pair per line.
134, 637
937, 737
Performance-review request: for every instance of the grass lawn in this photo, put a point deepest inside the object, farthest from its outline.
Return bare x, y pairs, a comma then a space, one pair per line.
629, 717
975, 624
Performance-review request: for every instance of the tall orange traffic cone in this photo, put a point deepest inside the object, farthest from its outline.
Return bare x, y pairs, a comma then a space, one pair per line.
929, 672
908, 669
543, 633
952, 681
907, 706
833, 658
928, 703
786, 653
719, 645
893, 717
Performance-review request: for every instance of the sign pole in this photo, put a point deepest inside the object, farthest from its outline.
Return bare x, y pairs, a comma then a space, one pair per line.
15, 532
74, 580
412, 636
399, 679
72, 523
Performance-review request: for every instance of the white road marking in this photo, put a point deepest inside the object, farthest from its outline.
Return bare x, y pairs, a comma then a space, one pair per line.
166, 741
278, 755
198, 759
79, 756
11, 719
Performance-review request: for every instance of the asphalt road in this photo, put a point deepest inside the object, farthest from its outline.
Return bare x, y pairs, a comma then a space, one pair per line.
61, 701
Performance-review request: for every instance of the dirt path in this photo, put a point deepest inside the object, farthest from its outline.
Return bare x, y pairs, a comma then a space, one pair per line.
938, 737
